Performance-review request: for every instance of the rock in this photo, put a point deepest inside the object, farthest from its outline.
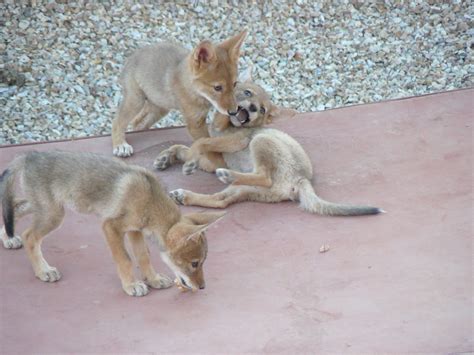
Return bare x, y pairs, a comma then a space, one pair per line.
64, 60
23, 25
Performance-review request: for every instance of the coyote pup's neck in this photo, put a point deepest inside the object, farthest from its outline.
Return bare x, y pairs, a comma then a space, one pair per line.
186, 91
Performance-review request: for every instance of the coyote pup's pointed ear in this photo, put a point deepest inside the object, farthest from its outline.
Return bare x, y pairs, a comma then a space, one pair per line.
204, 53
232, 45
206, 218
199, 222
183, 232
246, 76
272, 113
196, 232
277, 112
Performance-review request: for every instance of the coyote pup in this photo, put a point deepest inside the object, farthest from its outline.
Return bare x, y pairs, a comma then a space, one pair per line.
130, 201
265, 164
166, 76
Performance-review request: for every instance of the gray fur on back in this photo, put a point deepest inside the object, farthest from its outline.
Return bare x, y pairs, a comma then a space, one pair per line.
67, 177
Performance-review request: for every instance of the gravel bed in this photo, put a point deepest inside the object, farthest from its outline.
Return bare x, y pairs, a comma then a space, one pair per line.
59, 63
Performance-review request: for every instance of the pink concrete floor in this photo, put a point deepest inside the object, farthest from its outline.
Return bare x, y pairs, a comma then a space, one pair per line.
400, 282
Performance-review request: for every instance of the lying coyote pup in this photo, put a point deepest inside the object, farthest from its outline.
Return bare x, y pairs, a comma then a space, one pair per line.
130, 201
166, 76
267, 164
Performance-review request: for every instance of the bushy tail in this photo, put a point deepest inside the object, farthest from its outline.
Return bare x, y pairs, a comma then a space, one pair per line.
7, 180
310, 202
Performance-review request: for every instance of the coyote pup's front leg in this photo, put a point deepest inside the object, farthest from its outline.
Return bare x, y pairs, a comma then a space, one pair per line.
222, 199
115, 239
227, 176
212, 147
175, 154
180, 153
142, 254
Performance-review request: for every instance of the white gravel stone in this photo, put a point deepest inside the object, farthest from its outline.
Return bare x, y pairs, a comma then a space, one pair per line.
60, 62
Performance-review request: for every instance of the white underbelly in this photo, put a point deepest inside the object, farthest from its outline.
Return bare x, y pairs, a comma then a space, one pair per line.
239, 161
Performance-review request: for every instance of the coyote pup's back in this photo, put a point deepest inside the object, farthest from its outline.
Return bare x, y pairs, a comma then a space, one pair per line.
155, 66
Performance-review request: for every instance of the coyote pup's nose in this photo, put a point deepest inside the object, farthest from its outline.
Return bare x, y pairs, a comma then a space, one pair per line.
232, 113
202, 287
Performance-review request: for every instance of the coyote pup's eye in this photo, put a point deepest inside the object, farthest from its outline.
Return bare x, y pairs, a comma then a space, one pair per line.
195, 264
235, 84
262, 110
247, 93
218, 87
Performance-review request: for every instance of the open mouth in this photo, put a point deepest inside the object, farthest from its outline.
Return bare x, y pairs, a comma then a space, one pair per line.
183, 282
241, 118
182, 285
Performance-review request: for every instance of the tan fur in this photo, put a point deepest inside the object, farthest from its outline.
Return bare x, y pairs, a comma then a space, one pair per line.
129, 199
222, 140
165, 76
264, 164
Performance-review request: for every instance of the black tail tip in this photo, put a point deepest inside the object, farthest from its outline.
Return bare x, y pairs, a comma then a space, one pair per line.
8, 219
4, 174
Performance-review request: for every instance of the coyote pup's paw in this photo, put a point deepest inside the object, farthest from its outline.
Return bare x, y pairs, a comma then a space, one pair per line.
163, 161
177, 196
225, 176
160, 281
190, 167
11, 243
136, 289
123, 150
49, 275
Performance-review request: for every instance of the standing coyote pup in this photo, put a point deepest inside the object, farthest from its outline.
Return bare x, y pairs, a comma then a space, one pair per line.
166, 76
130, 201
267, 164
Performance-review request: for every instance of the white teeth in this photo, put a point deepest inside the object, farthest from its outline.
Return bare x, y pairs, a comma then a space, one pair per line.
243, 115
235, 121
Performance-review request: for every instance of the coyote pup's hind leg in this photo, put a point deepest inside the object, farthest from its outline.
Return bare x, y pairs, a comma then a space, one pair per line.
43, 223
22, 208
132, 105
149, 114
